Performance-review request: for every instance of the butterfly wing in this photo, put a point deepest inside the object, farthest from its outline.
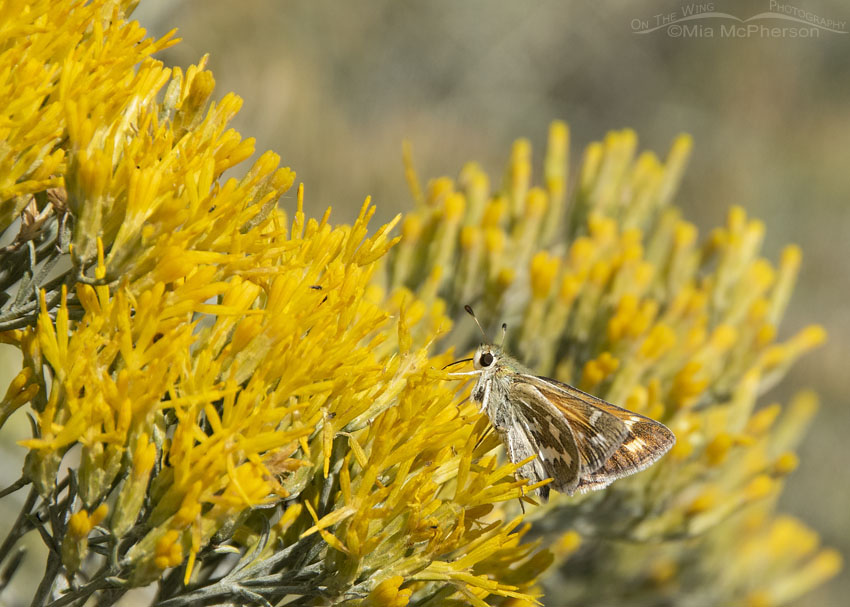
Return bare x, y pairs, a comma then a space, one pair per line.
647, 441
598, 433
540, 429
644, 442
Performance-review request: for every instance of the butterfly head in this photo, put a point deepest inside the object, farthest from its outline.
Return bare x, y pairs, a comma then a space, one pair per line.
486, 357
489, 358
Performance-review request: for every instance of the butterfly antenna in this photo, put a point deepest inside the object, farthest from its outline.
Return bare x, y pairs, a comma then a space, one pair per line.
504, 334
469, 311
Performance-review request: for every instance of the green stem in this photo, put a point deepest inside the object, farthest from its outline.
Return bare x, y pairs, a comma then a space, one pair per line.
51, 572
21, 526
81, 594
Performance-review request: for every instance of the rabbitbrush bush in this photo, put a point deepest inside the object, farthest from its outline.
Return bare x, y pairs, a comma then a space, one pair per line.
231, 402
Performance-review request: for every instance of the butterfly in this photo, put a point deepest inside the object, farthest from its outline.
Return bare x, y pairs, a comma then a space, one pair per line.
580, 441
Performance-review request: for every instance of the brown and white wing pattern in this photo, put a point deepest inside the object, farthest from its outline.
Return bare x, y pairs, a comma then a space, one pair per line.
643, 443
540, 429
646, 442
598, 433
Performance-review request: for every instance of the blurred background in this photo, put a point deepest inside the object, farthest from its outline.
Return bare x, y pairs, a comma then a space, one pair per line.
335, 88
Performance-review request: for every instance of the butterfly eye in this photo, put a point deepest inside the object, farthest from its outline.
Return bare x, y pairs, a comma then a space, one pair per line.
486, 359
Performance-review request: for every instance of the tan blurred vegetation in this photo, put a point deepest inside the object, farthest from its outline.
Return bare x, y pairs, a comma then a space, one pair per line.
335, 87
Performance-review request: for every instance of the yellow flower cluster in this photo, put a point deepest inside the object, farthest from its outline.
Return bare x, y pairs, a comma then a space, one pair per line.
241, 405
620, 298
232, 379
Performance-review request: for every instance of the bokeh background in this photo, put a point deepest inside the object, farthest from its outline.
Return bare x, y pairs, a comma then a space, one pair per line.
335, 87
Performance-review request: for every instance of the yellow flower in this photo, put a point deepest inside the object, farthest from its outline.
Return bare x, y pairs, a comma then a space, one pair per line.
241, 379
648, 316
